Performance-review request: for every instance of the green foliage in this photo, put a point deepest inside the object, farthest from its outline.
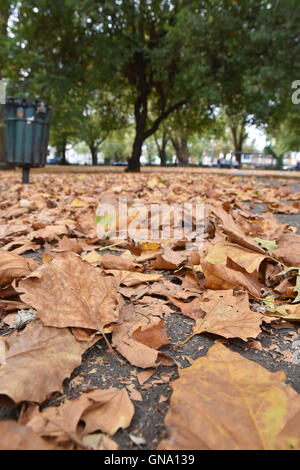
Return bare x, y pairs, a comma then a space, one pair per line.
108, 64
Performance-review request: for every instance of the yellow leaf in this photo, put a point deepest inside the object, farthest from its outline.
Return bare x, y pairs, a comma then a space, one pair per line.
47, 258
92, 257
79, 203
150, 246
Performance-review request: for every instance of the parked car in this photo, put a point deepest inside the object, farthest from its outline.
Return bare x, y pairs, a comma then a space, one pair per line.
119, 163
228, 164
297, 167
53, 161
290, 167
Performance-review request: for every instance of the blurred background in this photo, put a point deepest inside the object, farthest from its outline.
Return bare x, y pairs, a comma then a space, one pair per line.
149, 82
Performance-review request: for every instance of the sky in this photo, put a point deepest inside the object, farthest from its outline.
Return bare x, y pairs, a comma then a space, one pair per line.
259, 136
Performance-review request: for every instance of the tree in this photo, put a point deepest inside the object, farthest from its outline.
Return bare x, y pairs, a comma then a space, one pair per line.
247, 42
140, 59
284, 133
92, 44
5, 10
117, 147
161, 139
100, 115
62, 131
195, 118
159, 56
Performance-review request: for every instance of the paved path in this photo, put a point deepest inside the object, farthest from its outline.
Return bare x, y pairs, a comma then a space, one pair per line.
146, 169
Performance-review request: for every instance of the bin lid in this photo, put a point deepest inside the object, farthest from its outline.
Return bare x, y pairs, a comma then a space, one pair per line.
27, 102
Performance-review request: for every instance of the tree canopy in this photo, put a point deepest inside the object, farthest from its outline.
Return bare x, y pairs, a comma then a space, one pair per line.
153, 65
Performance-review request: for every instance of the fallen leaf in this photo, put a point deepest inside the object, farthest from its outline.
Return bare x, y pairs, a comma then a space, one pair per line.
79, 203
145, 375
70, 292
154, 337
14, 436
137, 353
38, 359
106, 410
133, 279
228, 315
14, 267
227, 266
99, 441
250, 408
288, 250
109, 261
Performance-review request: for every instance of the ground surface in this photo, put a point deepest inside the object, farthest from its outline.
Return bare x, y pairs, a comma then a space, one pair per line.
101, 368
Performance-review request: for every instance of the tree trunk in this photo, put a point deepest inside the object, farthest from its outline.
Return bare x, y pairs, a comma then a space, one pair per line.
134, 161
141, 114
181, 150
163, 157
63, 153
162, 148
239, 136
94, 153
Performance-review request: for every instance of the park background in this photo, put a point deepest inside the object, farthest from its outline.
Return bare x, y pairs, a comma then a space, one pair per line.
159, 82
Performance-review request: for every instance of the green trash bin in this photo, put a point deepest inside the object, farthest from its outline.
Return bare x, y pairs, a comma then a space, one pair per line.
27, 133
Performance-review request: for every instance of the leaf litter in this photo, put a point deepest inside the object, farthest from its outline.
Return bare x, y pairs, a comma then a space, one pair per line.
115, 321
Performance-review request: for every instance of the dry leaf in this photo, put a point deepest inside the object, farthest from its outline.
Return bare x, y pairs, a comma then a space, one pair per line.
105, 410
145, 375
14, 436
227, 266
154, 337
227, 315
288, 250
99, 441
70, 292
224, 401
38, 359
133, 279
138, 354
13, 267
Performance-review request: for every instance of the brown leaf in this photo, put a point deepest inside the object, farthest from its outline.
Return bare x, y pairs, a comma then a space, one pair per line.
14, 267
243, 257
38, 359
133, 279
169, 259
227, 265
190, 309
99, 441
138, 354
288, 250
228, 315
11, 305
145, 375
122, 263
14, 436
154, 337
219, 277
68, 244
105, 410
49, 233
70, 292
236, 235
249, 409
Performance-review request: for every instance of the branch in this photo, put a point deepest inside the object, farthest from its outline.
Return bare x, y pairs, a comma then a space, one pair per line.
163, 116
